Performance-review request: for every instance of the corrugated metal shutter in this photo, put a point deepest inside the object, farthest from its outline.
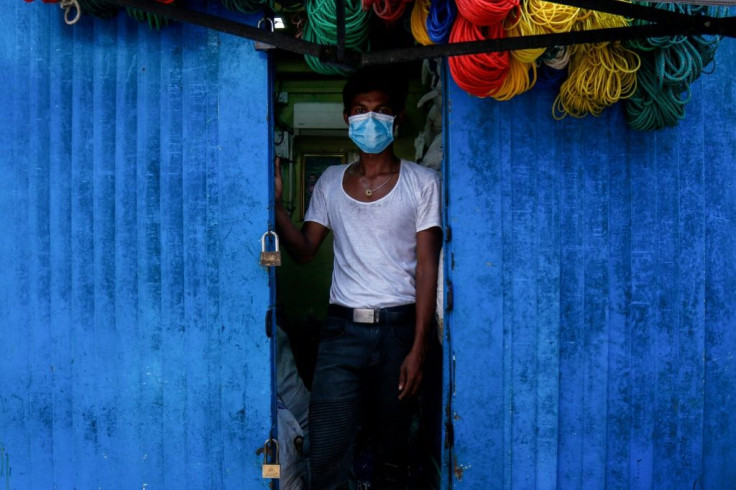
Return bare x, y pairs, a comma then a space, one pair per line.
594, 278
133, 197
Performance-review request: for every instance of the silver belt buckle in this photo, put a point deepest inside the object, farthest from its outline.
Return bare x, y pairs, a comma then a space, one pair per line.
364, 315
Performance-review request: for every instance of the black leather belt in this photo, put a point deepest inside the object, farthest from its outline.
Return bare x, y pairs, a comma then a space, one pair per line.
401, 313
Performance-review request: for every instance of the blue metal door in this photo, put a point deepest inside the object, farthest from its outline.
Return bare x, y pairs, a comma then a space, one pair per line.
134, 192
593, 270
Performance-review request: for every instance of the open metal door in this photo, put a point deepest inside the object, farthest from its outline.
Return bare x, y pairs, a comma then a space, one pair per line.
593, 315
135, 191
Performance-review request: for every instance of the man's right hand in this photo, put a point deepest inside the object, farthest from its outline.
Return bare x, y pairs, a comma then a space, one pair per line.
302, 244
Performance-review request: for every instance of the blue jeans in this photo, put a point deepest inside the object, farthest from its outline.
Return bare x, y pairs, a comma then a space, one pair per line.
357, 366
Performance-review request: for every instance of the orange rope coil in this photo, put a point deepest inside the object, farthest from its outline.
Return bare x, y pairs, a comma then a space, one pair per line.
419, 22
521, 77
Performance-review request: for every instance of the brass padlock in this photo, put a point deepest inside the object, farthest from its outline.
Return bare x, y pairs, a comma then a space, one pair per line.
273, 469
270, 259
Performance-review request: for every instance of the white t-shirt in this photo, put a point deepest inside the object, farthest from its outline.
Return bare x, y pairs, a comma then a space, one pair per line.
375, 242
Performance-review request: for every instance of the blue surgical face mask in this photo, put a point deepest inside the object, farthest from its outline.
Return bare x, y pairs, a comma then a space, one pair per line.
372, 131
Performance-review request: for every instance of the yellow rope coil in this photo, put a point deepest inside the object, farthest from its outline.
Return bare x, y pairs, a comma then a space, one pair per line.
554, 17
521, 25
521, 77
419, 22
599, 76
600, 20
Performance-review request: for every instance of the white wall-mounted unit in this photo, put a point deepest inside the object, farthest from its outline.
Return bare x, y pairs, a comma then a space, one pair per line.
319, 119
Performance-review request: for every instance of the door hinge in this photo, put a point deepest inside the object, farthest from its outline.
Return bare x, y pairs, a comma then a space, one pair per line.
450, 299
448, 233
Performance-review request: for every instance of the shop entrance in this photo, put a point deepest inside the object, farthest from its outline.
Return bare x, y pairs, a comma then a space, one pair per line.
309, 135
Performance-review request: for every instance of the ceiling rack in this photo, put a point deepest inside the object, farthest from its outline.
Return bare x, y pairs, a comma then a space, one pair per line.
663, 23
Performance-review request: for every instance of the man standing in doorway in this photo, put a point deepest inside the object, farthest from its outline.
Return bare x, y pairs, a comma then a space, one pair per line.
385, 216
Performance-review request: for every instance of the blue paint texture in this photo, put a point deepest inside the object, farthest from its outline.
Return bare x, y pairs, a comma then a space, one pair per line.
134, 194
593, 329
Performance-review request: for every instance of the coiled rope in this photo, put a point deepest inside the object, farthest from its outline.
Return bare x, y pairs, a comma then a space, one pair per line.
155, 21
654, 106
289, 6
321, 28
519, 25
593, 19
99, 8
244, 6
669, 66
481, 74
442, 15
521, 77
419, 15
70, 6
486, 12
599, 76
554, 17
388, 10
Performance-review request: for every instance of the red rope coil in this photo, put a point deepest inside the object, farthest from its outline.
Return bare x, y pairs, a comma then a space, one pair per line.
481, 74
486, 12
388, 10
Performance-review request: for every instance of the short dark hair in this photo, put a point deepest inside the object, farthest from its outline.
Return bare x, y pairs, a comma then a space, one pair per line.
390, 80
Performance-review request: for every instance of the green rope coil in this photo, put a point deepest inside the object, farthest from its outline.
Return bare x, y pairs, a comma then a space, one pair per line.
669, 66
245, 6
654, 106
321, 29
289, 6
155, 21
98, 8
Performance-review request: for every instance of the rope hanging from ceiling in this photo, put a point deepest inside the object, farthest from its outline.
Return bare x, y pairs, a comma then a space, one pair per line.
669, 67
321, 28
419, 15
154, 21
388, 10
654, 75
480, 74
442, 14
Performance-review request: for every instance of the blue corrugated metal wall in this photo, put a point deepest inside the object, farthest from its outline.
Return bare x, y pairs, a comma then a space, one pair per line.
594, 281
133, 197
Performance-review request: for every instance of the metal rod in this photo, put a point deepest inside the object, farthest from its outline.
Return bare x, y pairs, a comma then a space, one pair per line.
525, 42
633, 11
227, 26
669, 24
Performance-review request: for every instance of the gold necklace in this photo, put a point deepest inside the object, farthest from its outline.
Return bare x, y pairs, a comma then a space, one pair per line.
368, 191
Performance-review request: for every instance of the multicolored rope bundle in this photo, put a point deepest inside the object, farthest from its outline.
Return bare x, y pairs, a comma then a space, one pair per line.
653, 76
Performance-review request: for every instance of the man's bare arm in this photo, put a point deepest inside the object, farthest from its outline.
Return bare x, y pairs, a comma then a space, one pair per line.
301, 245
429, 243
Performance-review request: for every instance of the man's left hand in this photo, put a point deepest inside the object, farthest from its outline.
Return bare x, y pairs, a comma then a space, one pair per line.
410, 375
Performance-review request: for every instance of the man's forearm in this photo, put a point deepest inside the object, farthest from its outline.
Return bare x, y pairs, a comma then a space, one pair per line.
428, 251
289, 235
301, 245
425, 307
